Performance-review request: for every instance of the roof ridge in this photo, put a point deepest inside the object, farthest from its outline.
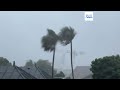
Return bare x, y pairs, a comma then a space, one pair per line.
25, 74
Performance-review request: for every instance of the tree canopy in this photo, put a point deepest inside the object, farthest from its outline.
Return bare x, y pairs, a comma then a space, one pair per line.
42, 64
45, 65
49, 41
4, 62
107, 67
66, 35
60, 74
29, 63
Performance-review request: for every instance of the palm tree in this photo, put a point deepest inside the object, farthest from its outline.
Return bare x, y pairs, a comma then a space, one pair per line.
66, 36
49, 42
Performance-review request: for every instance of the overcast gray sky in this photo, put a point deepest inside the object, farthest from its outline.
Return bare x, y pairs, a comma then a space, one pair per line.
21, 32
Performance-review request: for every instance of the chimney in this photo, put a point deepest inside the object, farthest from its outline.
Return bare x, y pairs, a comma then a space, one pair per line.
13, 63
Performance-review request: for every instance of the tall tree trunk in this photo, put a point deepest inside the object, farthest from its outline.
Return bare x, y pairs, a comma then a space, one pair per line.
72, 62
53, 64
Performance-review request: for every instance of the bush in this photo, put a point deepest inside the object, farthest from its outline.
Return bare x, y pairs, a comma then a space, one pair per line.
106, 68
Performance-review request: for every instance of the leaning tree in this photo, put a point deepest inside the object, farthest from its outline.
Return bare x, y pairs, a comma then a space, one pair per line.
49, 42
66, 36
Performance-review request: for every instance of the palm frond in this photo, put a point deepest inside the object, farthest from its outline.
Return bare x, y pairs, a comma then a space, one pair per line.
49, 41
66, 35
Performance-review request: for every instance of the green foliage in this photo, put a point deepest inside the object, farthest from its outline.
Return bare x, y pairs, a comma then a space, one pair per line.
106, 68
49, 41
45, 65
66, 35
29, 63
4, 62
60, 74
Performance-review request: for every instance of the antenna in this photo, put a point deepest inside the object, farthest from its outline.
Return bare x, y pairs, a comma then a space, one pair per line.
13, 63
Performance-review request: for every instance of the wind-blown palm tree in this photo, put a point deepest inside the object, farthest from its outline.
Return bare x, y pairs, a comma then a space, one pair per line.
66, 36
49, 42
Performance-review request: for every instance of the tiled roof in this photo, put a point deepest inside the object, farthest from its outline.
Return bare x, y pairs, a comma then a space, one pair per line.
15, 72
46, 75
24, 74
9, 72
34, 71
